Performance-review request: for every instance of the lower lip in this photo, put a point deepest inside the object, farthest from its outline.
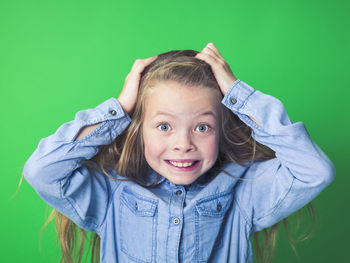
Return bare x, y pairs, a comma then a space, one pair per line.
184, 169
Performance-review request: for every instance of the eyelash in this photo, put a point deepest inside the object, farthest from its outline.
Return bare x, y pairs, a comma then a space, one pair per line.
208, 127
161, 125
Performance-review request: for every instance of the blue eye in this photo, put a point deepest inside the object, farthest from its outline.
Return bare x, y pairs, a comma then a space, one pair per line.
203, 127
164, 127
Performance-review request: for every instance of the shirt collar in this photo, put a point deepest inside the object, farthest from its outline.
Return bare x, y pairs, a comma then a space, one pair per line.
201, 182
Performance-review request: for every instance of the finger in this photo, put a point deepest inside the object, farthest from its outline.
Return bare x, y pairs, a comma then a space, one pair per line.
211, 50
140, 64
210, 59
211, 53
144, 62
212, 47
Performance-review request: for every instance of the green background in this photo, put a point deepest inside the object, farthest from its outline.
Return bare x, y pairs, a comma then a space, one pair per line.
59, 57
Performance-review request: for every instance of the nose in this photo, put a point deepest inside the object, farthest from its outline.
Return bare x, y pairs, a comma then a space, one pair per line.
184, 143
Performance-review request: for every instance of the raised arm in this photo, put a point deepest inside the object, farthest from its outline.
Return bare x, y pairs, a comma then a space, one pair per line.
56, 170
278, 187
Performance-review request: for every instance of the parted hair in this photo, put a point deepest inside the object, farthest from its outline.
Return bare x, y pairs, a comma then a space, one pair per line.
125, 155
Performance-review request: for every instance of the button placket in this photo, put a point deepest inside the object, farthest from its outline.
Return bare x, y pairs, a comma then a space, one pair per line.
178, 192
176, 220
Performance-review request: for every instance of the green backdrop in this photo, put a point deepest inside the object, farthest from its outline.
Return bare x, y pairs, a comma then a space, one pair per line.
61, 56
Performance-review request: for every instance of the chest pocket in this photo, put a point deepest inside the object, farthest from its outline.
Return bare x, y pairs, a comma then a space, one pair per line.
137, 226
210, 215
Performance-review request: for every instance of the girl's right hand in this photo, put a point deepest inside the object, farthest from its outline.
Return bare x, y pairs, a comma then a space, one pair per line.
128, 96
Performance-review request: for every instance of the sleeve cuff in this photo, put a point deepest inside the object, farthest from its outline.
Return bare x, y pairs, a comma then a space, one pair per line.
108, 110
237, 95
236, 99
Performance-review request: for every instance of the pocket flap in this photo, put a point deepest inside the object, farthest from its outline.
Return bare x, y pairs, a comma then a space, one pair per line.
139, 205
215, 205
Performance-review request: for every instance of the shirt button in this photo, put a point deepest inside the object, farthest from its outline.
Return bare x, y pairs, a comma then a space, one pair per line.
176, 221
178, 192
233, 101
218, 208
113, 112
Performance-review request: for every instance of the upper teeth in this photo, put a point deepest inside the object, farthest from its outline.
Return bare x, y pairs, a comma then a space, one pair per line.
186, 164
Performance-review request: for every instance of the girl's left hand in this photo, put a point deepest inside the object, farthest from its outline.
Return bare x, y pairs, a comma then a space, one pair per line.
221, 70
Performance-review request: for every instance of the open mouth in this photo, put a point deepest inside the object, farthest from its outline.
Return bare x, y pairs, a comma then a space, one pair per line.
186, 164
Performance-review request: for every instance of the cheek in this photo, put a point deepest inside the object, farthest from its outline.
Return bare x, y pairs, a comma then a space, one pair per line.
211, 148
153, 146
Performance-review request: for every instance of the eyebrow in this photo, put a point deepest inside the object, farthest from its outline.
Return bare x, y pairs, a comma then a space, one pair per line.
205, 113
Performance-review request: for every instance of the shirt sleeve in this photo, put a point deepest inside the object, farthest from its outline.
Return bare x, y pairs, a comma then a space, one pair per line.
57, 172
276, 188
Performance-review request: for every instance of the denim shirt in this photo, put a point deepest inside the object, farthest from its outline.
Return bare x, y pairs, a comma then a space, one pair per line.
210, 222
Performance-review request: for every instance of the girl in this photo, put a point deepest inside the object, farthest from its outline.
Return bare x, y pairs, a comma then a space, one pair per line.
185, 166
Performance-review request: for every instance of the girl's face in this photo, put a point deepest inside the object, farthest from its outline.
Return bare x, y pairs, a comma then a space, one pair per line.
181, 130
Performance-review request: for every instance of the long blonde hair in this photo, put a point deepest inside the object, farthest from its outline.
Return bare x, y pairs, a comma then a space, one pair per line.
125, 153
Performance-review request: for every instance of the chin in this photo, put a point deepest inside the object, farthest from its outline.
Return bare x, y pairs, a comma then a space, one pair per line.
182, 181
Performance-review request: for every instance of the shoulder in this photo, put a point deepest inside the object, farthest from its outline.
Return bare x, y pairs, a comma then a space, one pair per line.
247, 171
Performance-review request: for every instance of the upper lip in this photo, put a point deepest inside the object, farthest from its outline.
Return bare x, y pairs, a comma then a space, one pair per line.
182, 160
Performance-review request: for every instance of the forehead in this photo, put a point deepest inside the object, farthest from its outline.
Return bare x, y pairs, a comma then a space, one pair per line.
175, 98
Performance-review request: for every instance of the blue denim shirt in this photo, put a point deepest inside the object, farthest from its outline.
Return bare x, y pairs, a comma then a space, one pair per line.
210, 222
